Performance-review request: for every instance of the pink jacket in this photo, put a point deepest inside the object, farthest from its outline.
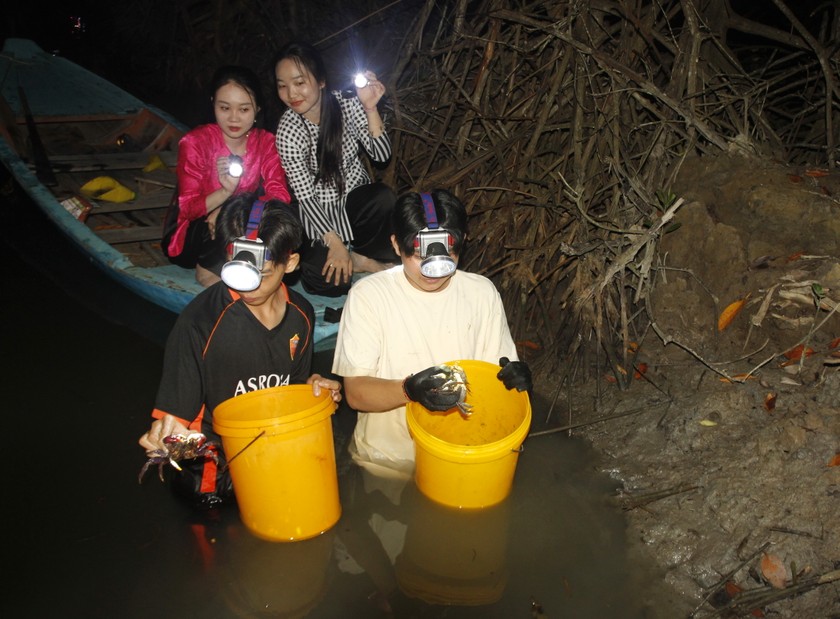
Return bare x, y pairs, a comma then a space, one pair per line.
198, 178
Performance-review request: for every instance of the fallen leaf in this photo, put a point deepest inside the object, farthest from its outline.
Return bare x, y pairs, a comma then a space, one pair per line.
795, 256
794, 178
732, 589
641, 368
816, 173
770, 401
528, 344
835, 461
761, 263
610, 378
834, 343
774, 570
795, 353
737, 378
728, 315
632, 347
708, 423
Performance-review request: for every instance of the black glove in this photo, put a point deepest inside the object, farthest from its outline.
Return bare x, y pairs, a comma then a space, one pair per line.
427, 388
515, 374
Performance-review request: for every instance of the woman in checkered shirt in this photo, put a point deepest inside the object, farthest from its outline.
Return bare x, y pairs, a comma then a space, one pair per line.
346, 218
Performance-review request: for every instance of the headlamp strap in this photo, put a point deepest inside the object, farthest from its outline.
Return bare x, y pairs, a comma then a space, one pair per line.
431, 214
254, 220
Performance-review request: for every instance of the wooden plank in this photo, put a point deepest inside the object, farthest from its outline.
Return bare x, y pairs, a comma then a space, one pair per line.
133, 234
103, 162
140, 203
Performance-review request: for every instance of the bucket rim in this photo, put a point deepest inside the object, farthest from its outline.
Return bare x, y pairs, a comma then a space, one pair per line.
486, 452
478, 453
322, 407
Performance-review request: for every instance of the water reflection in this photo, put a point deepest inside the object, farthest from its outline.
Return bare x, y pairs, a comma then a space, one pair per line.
84, 539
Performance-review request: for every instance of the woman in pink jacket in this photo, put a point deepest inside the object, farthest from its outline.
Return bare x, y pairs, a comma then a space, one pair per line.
218, 160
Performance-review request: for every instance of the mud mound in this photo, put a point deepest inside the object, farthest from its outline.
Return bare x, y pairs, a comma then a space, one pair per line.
721, 474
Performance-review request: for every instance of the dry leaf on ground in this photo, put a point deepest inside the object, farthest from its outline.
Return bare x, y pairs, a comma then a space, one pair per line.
796, 352
732, 310
774, 570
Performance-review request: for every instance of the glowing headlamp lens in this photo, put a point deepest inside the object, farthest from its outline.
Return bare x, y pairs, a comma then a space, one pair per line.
241, 274
436, 261
244, 271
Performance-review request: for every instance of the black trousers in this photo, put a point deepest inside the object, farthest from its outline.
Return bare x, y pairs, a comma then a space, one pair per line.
369, 208
199, 247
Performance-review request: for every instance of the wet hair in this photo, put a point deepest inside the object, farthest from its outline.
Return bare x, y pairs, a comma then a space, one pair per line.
280, 229
332, 123
243, 77
409, 217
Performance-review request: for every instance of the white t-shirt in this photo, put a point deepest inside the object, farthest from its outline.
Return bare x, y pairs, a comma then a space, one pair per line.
389, 329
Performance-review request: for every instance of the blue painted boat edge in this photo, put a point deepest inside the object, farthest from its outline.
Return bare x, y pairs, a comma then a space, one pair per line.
168, 286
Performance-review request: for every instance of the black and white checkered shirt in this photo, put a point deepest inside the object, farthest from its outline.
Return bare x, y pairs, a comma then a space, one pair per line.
321, 207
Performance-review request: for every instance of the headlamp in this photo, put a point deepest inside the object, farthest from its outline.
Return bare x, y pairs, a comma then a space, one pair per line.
434, 247
235, 168
244, 271
434, 244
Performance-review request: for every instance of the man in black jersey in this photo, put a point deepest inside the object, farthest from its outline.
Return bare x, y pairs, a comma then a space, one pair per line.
228, 342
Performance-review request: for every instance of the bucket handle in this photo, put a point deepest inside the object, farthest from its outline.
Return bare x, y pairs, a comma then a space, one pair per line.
519, 449
238, 453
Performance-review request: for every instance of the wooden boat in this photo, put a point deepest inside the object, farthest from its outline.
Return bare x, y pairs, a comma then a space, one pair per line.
63, 129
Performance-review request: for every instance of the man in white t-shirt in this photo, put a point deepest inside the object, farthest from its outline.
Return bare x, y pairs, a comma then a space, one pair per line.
398, 325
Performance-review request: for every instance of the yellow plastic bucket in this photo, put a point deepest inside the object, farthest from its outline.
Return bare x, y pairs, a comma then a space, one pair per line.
279, 443
470, 462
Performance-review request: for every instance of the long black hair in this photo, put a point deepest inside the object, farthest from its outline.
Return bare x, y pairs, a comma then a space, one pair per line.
332, 124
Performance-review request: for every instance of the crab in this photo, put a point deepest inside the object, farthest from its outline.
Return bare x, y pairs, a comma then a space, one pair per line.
179, 447
456, 380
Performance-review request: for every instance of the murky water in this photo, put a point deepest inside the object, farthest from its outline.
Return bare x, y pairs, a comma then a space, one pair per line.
85, 539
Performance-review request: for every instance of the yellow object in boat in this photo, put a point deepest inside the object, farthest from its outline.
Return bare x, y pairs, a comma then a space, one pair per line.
155, 163
108, 189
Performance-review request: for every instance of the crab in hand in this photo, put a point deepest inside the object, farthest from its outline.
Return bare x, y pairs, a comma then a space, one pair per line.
179, 447
456, 381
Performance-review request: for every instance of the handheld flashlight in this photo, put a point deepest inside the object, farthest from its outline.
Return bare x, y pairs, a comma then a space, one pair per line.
360, 80
235, 168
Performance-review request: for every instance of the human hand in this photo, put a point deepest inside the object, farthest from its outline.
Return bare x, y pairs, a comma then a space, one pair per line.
434, 388
515, 374
229, 183
318, 382
370, 94
161, 428
338, 269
